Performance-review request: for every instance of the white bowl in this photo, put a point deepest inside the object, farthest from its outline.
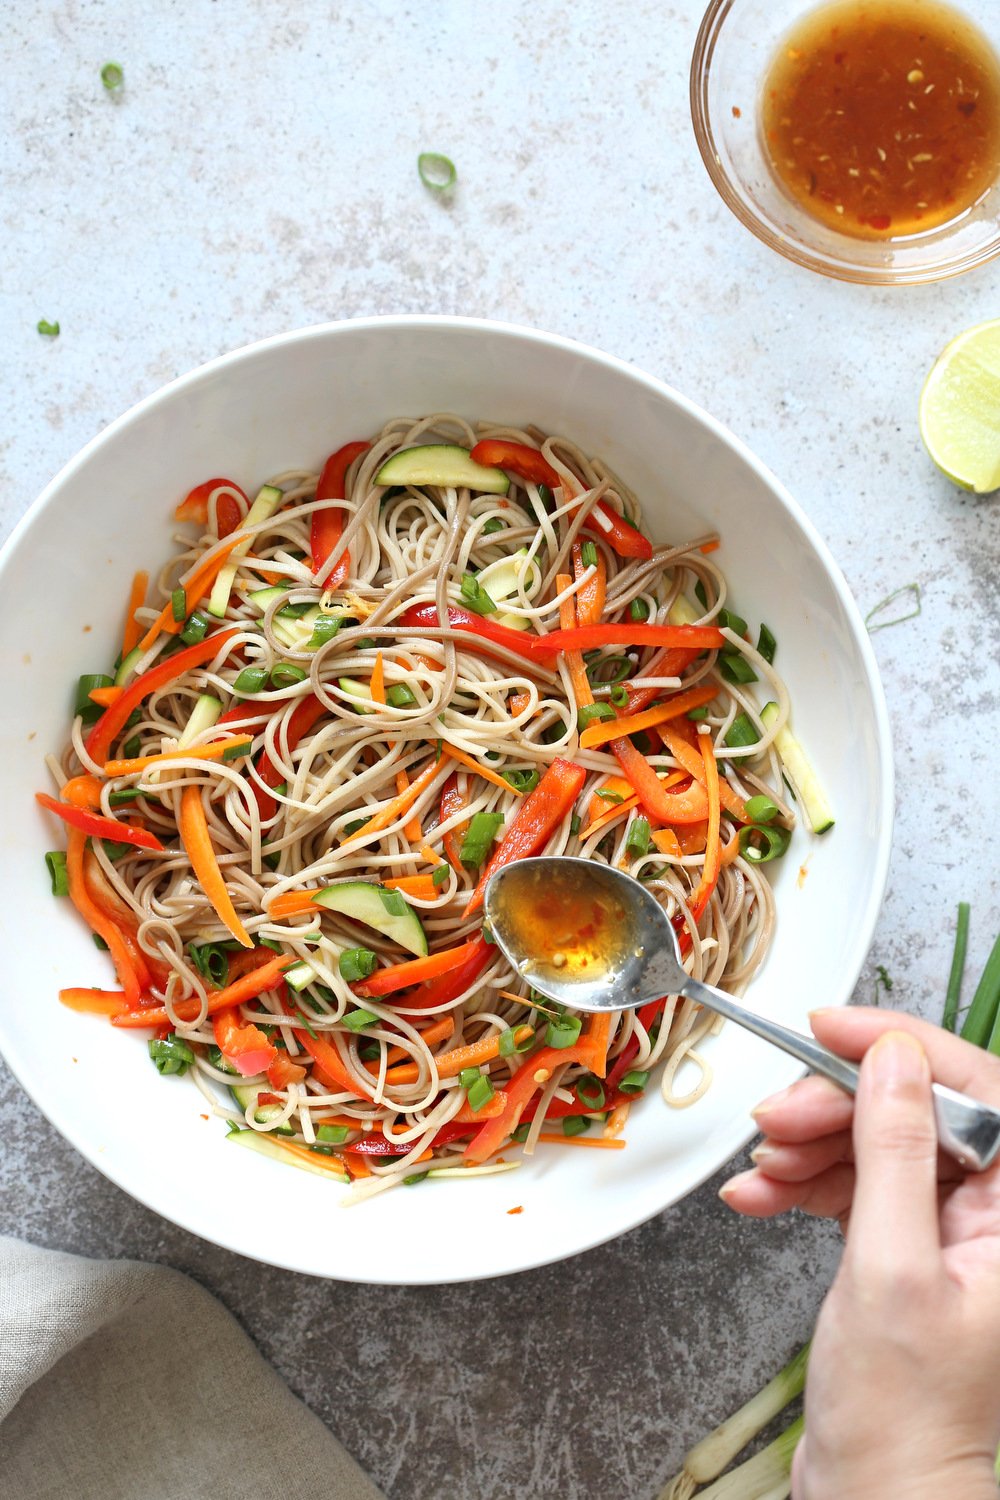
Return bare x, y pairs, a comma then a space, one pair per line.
285, 403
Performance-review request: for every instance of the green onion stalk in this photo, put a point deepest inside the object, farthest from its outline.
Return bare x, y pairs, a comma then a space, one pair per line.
707, 1460
766, 1476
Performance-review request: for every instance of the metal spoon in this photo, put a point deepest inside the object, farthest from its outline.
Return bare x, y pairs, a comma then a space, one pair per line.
636, 958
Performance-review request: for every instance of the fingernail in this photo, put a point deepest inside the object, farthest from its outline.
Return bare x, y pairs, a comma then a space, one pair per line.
898, 1057
728, 1188
762, 1152
769, 1103
824, 1010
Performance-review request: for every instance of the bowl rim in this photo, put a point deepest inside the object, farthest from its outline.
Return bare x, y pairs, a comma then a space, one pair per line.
798, 253
245, 353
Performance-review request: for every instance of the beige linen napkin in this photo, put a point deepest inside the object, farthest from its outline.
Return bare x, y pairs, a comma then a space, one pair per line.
130, 1382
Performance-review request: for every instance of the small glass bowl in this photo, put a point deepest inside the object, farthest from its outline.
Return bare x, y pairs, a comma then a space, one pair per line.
736, 43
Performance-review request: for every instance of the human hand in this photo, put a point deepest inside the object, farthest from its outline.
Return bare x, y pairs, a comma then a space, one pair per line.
903, 1390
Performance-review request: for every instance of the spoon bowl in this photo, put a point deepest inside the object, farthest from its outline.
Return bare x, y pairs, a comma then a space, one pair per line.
595, 939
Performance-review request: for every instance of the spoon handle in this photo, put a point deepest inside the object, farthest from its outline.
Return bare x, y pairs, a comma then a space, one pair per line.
968, 1130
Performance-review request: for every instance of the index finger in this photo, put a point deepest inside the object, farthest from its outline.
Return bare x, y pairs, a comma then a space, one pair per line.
850, 1032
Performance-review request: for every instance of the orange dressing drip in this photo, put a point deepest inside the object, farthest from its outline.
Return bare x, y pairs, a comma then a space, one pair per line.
881, 118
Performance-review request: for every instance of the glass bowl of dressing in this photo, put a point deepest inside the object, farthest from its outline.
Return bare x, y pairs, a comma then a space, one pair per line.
859, 138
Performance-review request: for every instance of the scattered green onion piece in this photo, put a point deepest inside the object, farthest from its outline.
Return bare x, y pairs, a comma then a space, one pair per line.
113, 77
334, 1135
178, 605
742, 731
324, 630
761, 809
365, 644
479, 838
590, 1092
440, 874
370, 1051
250, 680
639, 610
120, 799
196, 628
281, 790
697, 714
50, 330
954, 992
562, 1031
400, 696
575, 1124
99, 942
480, 1093
729, 620
634, 1082
55, 859
766, 644
437, 172
574, 824
588, 554
467, 1077
521, 780
607, 670
170, 1054
90, 712
607, 796
492, 525
395, 904
355, 824
237, 752
980, 1025
115, 851
700, 595
546, 496
590, 711
488, 937
356, 964
619, 696
285, 674
212, 962
520, 1135
293, 611
734, 667
639, 840
913, 589
357, 1020
414, 1178
476, 597
762, 842
882, 981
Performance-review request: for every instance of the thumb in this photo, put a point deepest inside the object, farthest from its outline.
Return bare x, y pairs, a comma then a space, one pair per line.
894, 1218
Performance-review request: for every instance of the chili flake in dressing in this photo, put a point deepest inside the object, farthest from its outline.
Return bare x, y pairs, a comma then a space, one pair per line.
569, 923
882, 119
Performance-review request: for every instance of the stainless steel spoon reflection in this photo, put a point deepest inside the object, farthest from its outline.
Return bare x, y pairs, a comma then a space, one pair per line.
593, 938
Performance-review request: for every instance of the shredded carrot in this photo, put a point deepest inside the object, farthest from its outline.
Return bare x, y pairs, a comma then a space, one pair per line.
105, 696
401, 804
136, 599
247, 987
95, 1002
598, 805
193, 828
481, 770
620, 809
293, 904
598, 1040
573, 659
667, 842
81, 791
420, 886
591, 595
377, 684
97, 920
712, 546
438, 1031
412, 829
710, 869
314, 1158
491, 1110
356, 1164
215, 751
616, 1120
681, 703
730, 850
519, 703
427, 853
600, 1141
415, 970
195, 590
450, 1064
687, 756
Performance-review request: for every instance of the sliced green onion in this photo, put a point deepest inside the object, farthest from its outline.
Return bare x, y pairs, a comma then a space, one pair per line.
99, 942
132, 747
237, 752
437, 172
56, 862
113, 77
480, 1093
324, 630
766, 1474
766, 644
355, 824
562, 1031
697, 714
285, 674
590, 711
700, 595
607, 796
395, 904
574, 824
520, 1134
634, 1082
170, 1054
467, 1077
883, 981
90, 712
734, 667
476, 597
980, 1023
357, 1020
414, 1178
761, 809
115, 850
954, 992
742, 731
506, 1043
356, 963
608, 669
590, 1092
588, 554
196, 628
488, 935
50, 330
370, 1051
281, 790
400, 696
729, 620
178, 605
762, 842
293, 611
619, 696
250, 680
334, 1135
639, 840
639, 610
479, 838
120, 799
212, 962
902, 615
575, 1124
521, 780
492, 525
440, 874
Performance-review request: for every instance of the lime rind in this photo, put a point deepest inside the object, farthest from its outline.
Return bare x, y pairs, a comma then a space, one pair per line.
960, 409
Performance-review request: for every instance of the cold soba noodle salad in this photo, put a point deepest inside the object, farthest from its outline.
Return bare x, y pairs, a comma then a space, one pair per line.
350, 702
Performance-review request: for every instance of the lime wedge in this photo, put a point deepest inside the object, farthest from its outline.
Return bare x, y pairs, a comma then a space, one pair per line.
960, 409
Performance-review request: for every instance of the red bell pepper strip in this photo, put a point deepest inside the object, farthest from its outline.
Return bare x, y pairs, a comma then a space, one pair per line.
374, 1143
247, 987
487, 632
414, 971
194, 506
302, 718
283, 1071
448, 987
535, 820
452, 802
328, 525
329, 1066
243, 1045
112, 721
522, 1086
689, 806
528, 463
672, 664
99, 827
620, 535
587, 637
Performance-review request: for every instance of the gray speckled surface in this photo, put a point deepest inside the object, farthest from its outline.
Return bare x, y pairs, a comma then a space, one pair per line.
257, 174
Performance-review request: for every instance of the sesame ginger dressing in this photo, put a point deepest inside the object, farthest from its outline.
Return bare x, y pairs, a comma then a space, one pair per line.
882, 119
